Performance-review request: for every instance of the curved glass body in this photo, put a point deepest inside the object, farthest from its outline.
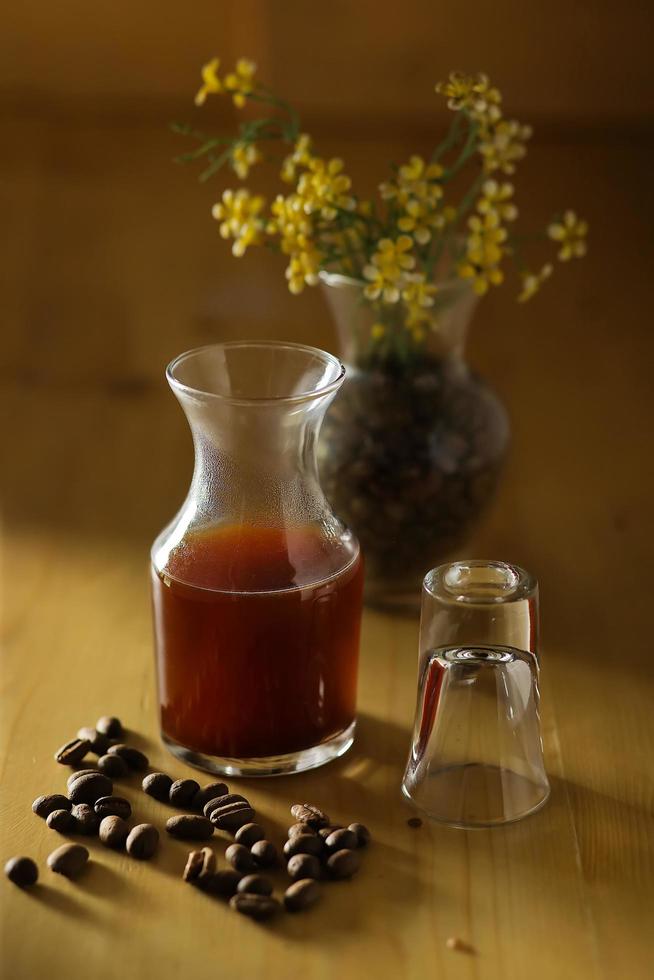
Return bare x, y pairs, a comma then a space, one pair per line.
257, 586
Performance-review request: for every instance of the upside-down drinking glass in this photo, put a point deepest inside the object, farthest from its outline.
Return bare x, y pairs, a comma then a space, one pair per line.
476, 758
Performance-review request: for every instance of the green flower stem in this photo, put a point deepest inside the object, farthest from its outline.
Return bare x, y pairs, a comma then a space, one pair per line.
469, 148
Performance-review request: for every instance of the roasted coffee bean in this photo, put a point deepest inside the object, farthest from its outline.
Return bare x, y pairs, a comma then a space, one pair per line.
89, 787
99, 743
300, 828
303, 866
68, 860
301, 895
190, 826
113, 765
339, 840
255, 885
310, 814
134, 759
43, 806
223, 883
225, 800
343, 864
22, 871
62, 821
257, 907
142, 841
324, 832
86, 819
79, 772
240, 858
362, 833
157, 784
264, 853
113, 831
304, 844
200, 866
110, 726
207, 793
232, 816
182, 791
72, 752
113, 806
249, 834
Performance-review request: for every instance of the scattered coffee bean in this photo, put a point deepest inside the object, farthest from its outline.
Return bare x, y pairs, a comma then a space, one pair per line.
86, 819
362, 833
324, 832
62, 821
200, 866
43, 806
72, 752
304, 844
79, 772
68, 860
223, 883
207, 793
113, 765
309, 814
98, 742
255, 885
264, 853
113, 806
225, 800
340, 840
22, 871
240, 858
157, 784
249, 834
189, 826
257, 907
303, 866
182, 791
343, 864
301, 895
110, 726
134, 759
230, 816
89, 787
113, 831
414, 822
300, 828
142, 841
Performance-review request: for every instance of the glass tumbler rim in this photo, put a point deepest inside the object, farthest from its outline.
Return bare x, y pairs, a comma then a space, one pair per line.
320, 391
453, 582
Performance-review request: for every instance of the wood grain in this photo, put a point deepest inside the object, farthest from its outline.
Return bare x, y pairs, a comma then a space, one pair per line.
112, 266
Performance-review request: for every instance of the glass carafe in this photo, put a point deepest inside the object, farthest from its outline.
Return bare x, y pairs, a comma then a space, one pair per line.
257, 585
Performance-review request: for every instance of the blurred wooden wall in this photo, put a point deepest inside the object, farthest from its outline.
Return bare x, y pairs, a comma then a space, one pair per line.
367, 62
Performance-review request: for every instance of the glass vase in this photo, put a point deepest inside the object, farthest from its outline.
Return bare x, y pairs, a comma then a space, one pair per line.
257, 585
413, 446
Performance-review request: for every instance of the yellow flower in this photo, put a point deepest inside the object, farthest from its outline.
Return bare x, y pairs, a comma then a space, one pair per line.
244, 155
472, 93
503, 144
241, 81
571, 232
290, 222
419, 219
211, 84
496, 197
300, 157
377, 331
417, 292
482, 278
303, 269
239, 216
323, 188
387, 268
415, 180
484, 252
532, 281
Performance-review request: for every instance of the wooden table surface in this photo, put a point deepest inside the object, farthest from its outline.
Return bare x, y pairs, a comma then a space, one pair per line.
112, 266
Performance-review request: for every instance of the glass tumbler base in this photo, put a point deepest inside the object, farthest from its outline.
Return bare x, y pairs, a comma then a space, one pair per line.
477, 795
276, 765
